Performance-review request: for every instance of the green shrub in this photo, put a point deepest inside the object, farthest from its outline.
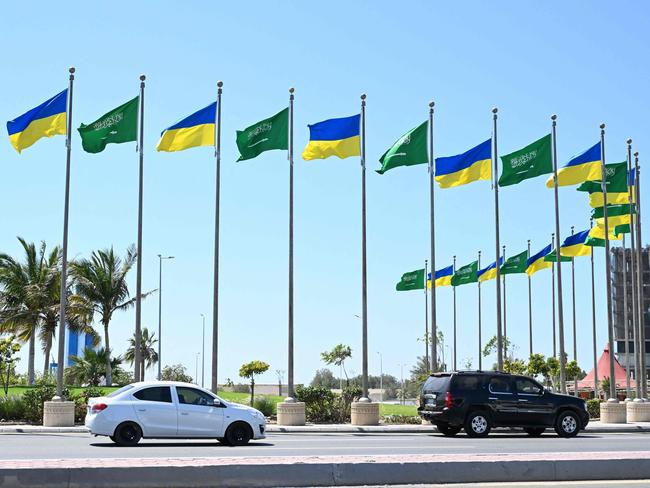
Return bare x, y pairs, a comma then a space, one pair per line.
12, 407
264, 405
593, 407
81, 401
401, 419
324, 406
241, 388
34, 399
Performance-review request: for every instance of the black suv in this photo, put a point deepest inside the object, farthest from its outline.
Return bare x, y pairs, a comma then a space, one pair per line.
480, 400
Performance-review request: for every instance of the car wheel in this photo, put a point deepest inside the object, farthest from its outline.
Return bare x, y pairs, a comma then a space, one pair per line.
534, 431
448, 430
127, 434
567, 424
478, 424
238, 434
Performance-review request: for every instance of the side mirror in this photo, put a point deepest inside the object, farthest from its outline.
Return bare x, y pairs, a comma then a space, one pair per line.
216, 402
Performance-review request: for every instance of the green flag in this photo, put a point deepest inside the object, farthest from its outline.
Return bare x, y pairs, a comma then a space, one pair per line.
413, 280
515, 264
551, 257
267, 134
613, 211
408, 150
616, 180
465, 275
622, 229
529, 162
117, 126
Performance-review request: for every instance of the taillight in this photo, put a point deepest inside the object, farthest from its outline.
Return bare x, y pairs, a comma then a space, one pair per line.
449, 400
98, 407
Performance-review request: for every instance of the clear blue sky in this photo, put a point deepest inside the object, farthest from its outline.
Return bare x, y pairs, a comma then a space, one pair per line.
584, 60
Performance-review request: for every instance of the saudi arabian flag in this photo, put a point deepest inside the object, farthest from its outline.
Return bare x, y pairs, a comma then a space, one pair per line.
515, 264
622, 229
115, 127
551, 257
529, 162
414, 280
465, 275
616, 180
267, 134
408, 150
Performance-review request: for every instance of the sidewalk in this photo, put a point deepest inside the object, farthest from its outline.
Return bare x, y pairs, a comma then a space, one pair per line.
594, 427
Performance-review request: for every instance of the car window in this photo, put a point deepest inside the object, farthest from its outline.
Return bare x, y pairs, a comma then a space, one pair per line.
154, 394
436, 384
120, 390
500, 385
528, 387
463, 382
192, 396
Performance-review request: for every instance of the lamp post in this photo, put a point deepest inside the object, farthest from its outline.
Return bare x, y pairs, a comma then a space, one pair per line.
160, 260
203, 354
196, 367
381, 378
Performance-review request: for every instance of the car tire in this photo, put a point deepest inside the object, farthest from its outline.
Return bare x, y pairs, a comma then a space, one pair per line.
567, 424
478, 424
534, 431
127, 434
448, 430
238, 434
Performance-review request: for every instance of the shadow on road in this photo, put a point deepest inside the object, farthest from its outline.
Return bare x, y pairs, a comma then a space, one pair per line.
178, 444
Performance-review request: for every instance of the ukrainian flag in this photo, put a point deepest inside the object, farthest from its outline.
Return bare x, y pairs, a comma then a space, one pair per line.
616, 215
598, 232
473, 165
574, 245
334, 137
443, 277
536, 262
193, 131
490, 272
585, 167
46, 120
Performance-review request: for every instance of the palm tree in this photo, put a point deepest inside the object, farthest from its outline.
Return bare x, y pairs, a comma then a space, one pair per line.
101, 288
90, 368
149, 355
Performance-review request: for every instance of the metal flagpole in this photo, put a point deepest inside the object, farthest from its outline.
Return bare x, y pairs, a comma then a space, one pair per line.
593, 318
480, 341
214, 380
560, 312
426, 311
159, 376
454, 361
290, 386
633, 271
626, 327
608, 281
495, 172
364, 274
530, 310
138, 374
505, 316
553, 300
434, 325
642, 376
573, 302
64, 258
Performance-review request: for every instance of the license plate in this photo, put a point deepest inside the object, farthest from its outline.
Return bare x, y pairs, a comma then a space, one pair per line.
430, 400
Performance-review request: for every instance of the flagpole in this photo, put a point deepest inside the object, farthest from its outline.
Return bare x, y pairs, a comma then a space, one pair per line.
639, 277
454, 361
633, 271
593, 317
64, 253
480, 342
138, 374
426, 310
530, 310
290, 385
553, 300
608, 281
558, 256
626, 327
505, 316
497, 244
215, 291
573, 301
364, 283
434, 325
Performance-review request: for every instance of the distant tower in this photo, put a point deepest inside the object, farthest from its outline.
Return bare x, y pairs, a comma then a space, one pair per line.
75, 344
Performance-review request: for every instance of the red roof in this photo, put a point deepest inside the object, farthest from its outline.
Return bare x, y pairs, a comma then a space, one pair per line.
603, 372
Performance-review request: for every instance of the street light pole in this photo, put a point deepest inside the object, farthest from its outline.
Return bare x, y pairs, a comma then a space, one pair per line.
203, 354
381, 378
160, 260
196, 367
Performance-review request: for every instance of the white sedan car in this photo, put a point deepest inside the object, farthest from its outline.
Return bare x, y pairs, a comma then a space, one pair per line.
169, 409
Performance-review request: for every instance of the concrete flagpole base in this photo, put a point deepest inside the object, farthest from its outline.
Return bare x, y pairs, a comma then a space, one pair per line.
638, 411
613, 412
291, 412
365, 412
58, 413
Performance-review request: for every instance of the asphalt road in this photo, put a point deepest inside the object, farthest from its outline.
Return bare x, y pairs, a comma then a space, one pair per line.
550, 484
71, 446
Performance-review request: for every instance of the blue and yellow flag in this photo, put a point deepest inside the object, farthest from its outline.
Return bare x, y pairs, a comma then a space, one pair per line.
443, 277
46, 120
193, 131
574, 245
584, 167
489, 272
334, 137
536, 261
473, 165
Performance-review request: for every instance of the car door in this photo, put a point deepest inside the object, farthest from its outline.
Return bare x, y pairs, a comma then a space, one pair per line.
503, 400
157, 414
534, 404
198, 416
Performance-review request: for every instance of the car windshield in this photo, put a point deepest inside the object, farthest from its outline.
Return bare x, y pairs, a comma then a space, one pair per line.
120, 390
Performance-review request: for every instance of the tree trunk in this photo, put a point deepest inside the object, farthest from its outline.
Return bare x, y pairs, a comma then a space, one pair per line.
109, 372
252, 390
48, 349
142, 368
32, 357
